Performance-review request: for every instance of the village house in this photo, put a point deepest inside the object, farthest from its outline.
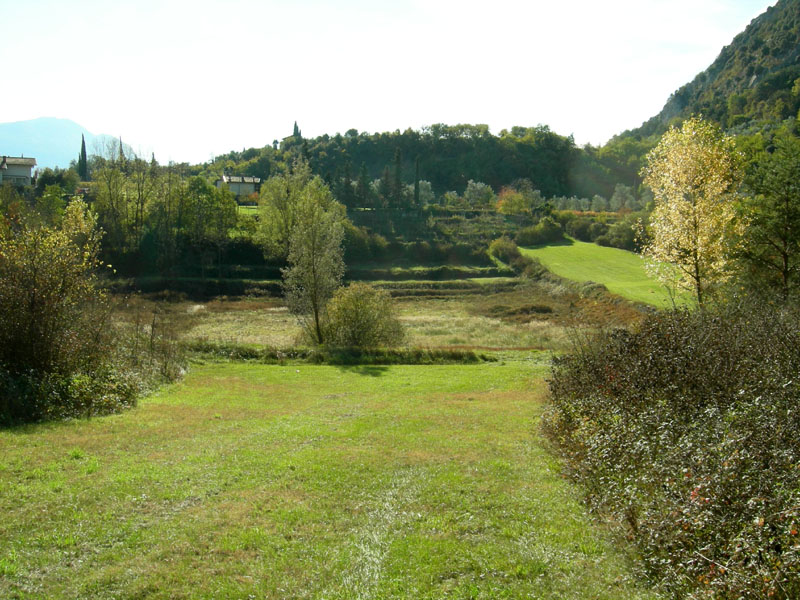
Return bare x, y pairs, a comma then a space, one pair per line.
16, 170
240, 185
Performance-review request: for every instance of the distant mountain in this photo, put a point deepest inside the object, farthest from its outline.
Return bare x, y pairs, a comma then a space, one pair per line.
755, 80
52, 142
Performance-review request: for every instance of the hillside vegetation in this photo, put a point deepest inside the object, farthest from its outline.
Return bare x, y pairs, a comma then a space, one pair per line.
752, 81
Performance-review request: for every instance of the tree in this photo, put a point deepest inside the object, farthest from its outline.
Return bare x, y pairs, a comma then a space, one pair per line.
622, 198
599, 204
83, 165
772, 247
479, 195
417, 202
362, 187
51, 205
47, 283
316, 263
211, 214
280, 196
693, 172
397, 188
361, 316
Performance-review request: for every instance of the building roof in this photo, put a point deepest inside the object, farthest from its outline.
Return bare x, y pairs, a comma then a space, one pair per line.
17, 161
240, 179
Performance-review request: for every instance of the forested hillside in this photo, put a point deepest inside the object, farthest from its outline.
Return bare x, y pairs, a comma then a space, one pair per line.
751, 88
754, 81
448, 156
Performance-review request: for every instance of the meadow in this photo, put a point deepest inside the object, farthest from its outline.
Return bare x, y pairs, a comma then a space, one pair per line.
622, 272
247, 480
299, 481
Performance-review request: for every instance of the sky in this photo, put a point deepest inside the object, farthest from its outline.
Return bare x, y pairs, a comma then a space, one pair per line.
191, 79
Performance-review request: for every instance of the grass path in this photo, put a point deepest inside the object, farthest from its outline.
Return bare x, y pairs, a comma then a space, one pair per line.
252, 481
622, 272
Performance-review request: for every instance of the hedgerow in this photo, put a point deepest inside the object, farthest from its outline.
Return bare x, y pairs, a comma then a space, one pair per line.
687, 431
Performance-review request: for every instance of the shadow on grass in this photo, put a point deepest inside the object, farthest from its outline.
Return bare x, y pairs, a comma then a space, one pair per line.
368, 370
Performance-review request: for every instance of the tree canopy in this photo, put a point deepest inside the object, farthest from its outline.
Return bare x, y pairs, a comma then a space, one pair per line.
693, 172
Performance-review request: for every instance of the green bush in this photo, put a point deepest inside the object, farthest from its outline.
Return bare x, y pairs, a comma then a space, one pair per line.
688, 431
361, 316
61, 355
505, 249
578, 228
546, 231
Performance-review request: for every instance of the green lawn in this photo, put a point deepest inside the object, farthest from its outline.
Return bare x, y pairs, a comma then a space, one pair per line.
248, 210
622, 272
253, 481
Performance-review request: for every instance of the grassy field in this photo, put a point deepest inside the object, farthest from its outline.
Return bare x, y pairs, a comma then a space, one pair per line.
483, 314
252, 481
620, 271
248, 210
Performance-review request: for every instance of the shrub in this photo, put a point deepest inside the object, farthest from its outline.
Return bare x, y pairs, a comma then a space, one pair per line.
579, 228
687, 430
546, 231
361, 316
50, 303
60, 354
505, 249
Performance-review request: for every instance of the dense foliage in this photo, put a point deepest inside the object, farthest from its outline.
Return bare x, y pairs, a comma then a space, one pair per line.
686, 430
60, 353
770, 250
753, 81
362, 316
316, 263
693, 172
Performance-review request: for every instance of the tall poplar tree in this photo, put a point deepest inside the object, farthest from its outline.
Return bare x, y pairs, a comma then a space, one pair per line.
693, 172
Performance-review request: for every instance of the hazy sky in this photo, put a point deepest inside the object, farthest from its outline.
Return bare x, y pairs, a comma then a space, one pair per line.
193, 78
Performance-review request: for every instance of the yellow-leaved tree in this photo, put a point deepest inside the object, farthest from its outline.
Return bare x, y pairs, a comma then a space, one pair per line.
693, 173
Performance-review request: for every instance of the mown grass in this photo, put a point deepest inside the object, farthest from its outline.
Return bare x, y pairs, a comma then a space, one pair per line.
250, 210
622, 272
304, 482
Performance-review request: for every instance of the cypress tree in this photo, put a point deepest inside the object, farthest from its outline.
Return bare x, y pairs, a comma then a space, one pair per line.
397, 180
416, 182
83, 165
347, 185
362, 187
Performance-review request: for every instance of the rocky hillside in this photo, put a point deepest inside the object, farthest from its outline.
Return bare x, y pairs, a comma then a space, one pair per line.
755, 79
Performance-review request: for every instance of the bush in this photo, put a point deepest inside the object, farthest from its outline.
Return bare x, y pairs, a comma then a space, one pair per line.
60, 355
50, 304
361, 316
579, 228
505, 249
687, 430
546, 231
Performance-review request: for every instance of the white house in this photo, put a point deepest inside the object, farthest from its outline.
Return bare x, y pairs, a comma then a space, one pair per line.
16, 169
240, 185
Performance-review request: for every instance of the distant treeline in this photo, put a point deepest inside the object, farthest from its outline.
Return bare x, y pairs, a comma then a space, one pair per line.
449, 156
